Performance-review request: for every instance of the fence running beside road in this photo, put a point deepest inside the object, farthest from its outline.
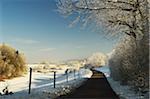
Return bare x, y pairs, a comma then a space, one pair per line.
40, 80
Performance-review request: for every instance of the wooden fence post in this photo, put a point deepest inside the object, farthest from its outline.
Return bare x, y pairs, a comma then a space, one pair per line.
30, 78
54, 78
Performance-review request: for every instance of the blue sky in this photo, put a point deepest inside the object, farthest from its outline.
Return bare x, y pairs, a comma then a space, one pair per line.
36, 29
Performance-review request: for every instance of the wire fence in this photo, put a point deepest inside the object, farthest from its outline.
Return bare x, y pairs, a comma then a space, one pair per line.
38, 80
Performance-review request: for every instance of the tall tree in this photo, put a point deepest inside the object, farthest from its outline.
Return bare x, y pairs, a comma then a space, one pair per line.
122, 16
128, 17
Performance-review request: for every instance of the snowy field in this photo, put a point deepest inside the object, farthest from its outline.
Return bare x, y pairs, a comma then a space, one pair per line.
21, 83
43, 85
124, 92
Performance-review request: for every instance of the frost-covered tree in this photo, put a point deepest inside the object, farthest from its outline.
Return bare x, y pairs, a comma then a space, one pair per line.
123, 58
97, 59
119, 16
12, 62
125, 68
127, 17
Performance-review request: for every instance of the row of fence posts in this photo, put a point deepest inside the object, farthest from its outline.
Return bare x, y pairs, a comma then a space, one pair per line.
66, 73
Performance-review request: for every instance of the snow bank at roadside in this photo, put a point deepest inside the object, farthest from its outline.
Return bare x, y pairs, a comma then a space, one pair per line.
105, 70
46, 91
61, 89
124, 92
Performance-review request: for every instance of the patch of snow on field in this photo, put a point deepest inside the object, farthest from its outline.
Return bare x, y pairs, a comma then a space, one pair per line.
125, 91
42, 85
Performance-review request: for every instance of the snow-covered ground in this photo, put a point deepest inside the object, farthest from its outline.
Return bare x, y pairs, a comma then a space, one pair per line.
124, 92
21, 83
43, 85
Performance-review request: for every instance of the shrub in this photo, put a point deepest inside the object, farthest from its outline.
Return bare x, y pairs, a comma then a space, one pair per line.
12, 63
129, 64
